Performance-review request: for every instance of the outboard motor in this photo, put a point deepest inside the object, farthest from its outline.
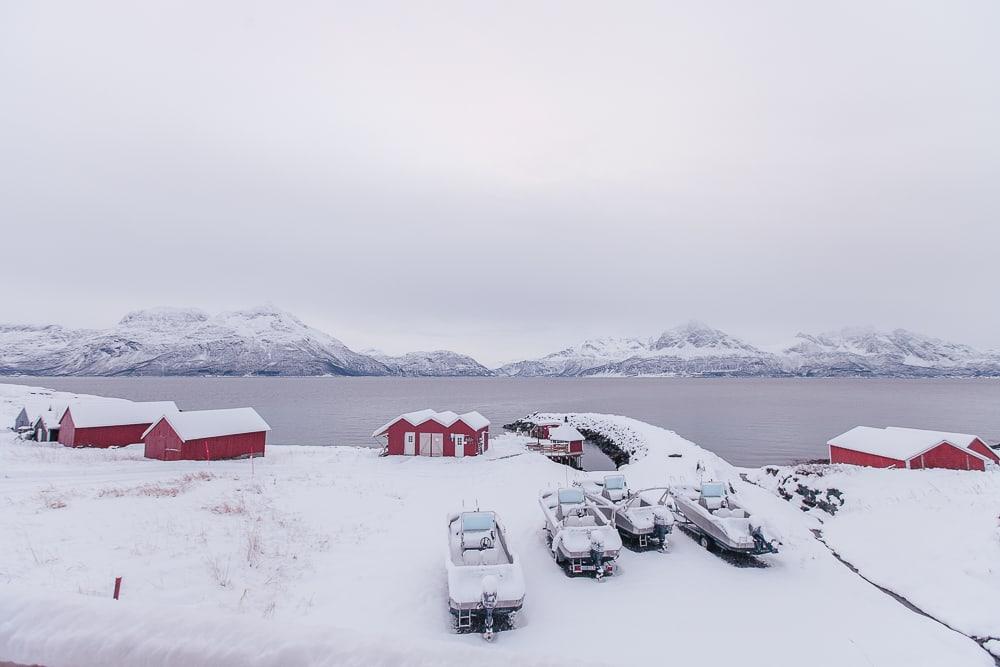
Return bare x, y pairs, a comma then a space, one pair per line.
663, 525
596, 550
489, 602
761, 542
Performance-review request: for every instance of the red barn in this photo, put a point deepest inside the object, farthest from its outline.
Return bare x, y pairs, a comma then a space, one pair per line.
206, 435
109, 423
430, 433
896, 447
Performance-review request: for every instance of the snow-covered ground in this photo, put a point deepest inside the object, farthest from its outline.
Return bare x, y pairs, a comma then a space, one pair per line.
332, 555
931, 536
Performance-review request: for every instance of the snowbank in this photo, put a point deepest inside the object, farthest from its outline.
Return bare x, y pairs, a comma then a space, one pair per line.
80, 631
245, 559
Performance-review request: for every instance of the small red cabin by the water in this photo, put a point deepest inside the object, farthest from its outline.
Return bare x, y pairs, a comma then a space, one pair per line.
109, 423
542, 427
206, 435
430, 433
896, 447
566, 435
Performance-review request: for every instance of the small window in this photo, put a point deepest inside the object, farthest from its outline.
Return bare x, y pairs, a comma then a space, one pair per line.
458, 439
411, 438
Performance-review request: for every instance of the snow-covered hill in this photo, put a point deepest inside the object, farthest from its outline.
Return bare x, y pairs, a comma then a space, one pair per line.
437, 363
866, 351
169, 341
695, 349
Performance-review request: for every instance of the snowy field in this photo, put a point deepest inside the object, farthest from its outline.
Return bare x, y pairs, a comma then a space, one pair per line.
931, 536
330, 555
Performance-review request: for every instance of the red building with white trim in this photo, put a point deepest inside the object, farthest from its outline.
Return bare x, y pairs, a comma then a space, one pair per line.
109, 423
897, 447
430, 433
206, 435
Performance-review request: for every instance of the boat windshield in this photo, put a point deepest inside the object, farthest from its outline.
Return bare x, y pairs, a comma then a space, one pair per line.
477, 521
713, 490
614, 482
570, 496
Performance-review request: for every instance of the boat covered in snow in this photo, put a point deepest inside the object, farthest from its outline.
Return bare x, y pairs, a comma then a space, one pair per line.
643, 518
485, 581
581, 539
719, 521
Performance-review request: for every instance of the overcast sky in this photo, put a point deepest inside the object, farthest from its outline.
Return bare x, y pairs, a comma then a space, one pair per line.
505, 178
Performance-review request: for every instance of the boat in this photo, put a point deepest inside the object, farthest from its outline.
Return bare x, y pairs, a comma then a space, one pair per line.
643, 518
485, 581
720, 522
582, 541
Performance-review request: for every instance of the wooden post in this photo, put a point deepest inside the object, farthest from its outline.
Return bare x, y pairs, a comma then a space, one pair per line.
118, 586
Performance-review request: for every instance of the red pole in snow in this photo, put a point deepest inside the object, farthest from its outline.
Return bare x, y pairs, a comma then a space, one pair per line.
118, 586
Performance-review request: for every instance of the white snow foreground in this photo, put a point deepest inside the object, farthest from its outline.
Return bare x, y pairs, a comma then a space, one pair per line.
87, 631
318, 555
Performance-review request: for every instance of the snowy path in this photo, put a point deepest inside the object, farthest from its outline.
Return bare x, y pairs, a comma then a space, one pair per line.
336, 554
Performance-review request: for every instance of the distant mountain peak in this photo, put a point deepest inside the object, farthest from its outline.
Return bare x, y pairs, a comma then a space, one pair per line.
699, 336
432, 363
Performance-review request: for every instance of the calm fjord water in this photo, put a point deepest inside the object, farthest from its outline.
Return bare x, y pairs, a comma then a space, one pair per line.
747, 421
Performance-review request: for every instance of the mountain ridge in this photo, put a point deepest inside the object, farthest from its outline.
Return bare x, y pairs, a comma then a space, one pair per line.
265, 341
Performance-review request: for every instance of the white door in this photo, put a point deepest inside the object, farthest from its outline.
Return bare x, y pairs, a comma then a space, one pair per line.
459, 446
409, 444
437, 444
425, 444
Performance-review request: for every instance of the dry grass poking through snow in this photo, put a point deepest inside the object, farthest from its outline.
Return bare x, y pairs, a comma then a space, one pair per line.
167, 489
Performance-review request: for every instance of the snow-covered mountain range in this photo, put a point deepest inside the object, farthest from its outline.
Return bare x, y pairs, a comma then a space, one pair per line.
168, 341
268, 341
437, 363
695, 349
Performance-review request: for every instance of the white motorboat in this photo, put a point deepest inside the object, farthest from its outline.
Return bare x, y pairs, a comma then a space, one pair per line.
719, 521
485, 581
643, 518
582, 540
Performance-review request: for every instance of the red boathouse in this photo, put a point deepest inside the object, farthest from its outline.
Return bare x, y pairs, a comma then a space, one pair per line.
430, 433
109, 423
541, 427
896, 447
206, 435
568, 437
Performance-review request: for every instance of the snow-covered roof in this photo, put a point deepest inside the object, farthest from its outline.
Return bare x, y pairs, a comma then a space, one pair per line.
212, 423
51, 418
546, 422
565, 433
960, 439
472, 419
899, 443
90, 414
36, 407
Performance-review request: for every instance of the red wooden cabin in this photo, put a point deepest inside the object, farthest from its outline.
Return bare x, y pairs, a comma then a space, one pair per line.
567, 436
206, 435
430, 433
896, 447
109, 423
